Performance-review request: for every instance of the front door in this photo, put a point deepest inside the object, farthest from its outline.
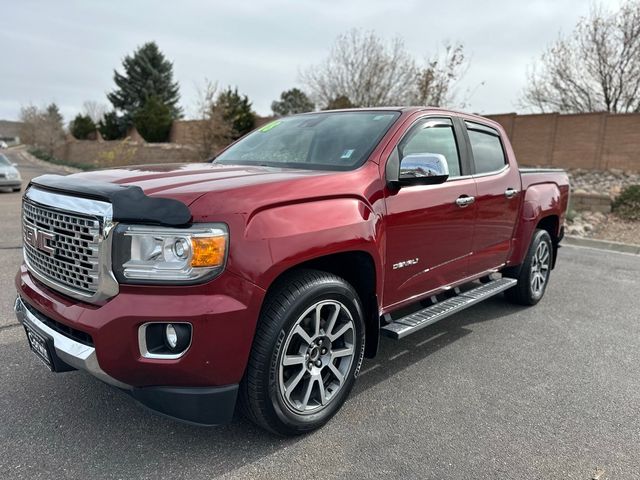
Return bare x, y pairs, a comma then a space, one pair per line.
429, 231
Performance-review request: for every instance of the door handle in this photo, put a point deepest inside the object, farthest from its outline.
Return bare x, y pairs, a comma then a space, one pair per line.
510, 192
464, 201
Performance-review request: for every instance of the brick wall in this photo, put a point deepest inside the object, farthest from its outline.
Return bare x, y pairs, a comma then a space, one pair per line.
186, 132
103, 154
594, 141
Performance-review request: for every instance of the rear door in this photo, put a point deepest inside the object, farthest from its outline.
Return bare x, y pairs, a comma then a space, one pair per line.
498, 192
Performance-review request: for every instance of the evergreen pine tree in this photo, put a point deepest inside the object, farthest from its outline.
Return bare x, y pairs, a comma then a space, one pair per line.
147, 73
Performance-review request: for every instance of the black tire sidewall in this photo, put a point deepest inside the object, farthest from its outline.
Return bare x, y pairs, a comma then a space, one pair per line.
294, 422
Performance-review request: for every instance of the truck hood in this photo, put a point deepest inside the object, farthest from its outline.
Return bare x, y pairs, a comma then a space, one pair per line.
188, 182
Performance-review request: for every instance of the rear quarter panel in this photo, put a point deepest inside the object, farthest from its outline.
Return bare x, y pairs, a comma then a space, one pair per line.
546, 194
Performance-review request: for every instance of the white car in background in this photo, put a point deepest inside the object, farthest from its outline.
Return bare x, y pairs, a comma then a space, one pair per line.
9, 175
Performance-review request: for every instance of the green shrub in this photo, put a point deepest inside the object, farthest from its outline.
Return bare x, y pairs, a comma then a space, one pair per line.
111, 126
153, 120
82, 126
627, 204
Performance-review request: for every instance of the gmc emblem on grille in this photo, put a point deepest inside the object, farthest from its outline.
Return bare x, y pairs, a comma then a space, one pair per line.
39, 239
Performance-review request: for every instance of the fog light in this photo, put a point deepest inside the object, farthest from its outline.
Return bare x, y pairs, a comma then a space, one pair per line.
167, 341
177, 336
171, 336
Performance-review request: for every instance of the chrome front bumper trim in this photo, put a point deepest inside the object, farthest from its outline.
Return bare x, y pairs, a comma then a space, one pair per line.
76, 354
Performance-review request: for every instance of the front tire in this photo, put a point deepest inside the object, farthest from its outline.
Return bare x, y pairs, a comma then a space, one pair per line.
533, 274
306, 354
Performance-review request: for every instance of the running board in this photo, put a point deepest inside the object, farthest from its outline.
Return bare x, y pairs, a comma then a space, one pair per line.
418, 320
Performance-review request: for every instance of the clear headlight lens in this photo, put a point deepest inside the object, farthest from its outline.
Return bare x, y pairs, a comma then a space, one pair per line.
147, 254
13, 175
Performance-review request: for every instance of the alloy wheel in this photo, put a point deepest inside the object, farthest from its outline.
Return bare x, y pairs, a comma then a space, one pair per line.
317, 357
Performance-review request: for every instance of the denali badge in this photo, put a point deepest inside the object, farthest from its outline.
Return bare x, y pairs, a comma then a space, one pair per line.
406, 263
39, 239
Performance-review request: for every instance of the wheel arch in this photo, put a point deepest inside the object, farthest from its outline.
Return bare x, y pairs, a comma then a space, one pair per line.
358, 268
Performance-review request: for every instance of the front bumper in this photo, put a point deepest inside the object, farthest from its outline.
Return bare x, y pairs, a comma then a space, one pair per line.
71, 352
198, 405
200, 387
10, 183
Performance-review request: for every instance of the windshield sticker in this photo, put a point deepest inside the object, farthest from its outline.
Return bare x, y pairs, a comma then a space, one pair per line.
383, 117
271, 125
347, 153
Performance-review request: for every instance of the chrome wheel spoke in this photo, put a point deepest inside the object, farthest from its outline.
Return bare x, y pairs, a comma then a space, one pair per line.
336, 373
304, 335
342, 352
332, 320
544, 257
293, 382
323, 393
317, 318
344, 329
289, 360
307, 392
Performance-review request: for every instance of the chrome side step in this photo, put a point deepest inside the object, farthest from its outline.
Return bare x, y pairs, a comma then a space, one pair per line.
404, 326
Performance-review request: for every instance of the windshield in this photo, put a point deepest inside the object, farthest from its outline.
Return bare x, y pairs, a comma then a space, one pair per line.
4, 161
318, 141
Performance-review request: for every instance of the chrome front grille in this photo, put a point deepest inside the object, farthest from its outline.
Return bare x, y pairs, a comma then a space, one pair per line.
66, 244
68, 253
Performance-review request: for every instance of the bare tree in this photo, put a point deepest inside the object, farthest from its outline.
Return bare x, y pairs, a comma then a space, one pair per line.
436, 81
595, 68
212, 131
364, 69
42, 128
29, 117
94, 110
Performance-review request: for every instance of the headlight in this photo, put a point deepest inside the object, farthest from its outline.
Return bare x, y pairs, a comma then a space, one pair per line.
13, 175
147, 254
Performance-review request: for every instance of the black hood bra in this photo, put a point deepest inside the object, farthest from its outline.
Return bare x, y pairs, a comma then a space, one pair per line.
130, 204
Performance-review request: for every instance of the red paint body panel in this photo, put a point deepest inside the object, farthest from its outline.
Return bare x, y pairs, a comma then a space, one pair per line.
280, 218
223, 320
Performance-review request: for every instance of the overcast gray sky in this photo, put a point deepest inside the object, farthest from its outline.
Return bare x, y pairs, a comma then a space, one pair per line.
65, 51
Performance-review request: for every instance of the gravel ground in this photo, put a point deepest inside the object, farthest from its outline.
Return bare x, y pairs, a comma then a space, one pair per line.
597, 225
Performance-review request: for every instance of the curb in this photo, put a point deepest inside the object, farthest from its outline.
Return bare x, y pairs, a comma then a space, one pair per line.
601, 244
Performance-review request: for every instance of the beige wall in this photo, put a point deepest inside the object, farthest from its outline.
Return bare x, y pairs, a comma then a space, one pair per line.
115, 153
590, 141
597, 141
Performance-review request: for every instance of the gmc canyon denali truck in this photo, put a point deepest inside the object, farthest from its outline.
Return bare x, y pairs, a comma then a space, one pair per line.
264, 277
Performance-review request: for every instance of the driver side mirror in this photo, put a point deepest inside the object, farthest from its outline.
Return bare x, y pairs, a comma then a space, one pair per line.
421, 169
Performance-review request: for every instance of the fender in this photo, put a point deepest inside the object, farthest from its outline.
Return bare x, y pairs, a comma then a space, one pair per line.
540, 201
291, 234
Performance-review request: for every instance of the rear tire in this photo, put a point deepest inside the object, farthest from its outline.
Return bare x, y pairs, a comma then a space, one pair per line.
533, 274
306, 353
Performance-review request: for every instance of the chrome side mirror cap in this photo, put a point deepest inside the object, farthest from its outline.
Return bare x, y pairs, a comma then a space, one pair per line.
423, 169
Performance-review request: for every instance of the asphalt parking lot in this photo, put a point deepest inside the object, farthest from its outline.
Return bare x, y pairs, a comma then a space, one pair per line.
498, 392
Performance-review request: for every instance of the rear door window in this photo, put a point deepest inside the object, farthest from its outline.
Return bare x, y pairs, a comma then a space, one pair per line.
488, 153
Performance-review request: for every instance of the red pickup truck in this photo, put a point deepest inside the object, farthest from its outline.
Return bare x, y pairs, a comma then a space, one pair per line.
264, 277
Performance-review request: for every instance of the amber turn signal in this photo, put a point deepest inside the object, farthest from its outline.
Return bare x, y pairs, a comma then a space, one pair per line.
208, 251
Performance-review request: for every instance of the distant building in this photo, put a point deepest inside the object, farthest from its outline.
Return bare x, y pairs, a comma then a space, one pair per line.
10, 132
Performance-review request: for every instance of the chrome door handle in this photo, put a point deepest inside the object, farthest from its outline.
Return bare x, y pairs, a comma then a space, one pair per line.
465, 201
510, 192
